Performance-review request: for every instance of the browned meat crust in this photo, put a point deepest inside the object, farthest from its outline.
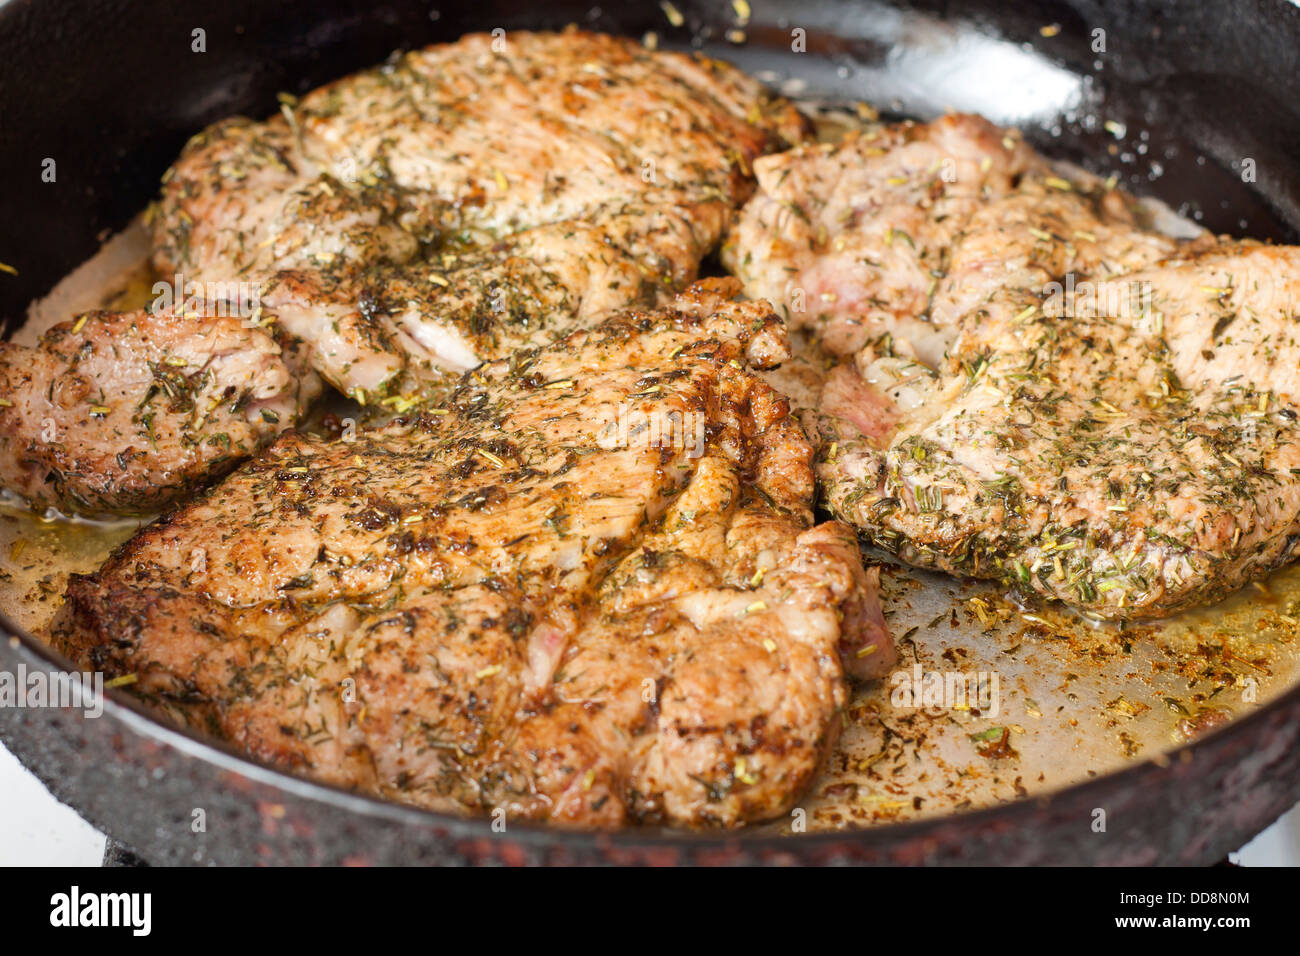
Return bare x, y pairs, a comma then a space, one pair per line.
124, 412
406, 223
522, 600
1039, 389
471, 198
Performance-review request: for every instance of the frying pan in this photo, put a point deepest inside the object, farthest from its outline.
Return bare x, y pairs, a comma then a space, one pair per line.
111, 89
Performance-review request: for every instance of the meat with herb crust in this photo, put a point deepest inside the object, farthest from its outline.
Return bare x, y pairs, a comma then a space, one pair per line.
850, 239
1108, 418
125, 412
513, 602
470, 198
403, 224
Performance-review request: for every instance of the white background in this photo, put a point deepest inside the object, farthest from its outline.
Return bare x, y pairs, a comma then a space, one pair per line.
37, 830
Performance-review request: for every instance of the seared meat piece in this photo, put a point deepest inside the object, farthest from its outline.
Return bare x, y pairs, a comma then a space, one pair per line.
850, 239
588, 590
1050, 239
125, 412
447, 208
531, 128
573, 173
1038, 389
1131, 455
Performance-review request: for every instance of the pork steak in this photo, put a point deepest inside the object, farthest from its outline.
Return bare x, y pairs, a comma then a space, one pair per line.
588, 590
1037, 387
125, 412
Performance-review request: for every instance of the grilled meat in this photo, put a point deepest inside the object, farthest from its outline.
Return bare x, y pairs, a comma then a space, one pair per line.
588, 590
243, 201
1081, 408
580, 169
1130, 460
124, 412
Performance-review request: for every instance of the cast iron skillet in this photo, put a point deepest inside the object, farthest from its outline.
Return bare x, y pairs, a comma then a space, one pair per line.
111, 90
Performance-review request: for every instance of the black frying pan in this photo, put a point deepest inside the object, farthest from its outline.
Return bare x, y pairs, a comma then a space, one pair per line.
111, 90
